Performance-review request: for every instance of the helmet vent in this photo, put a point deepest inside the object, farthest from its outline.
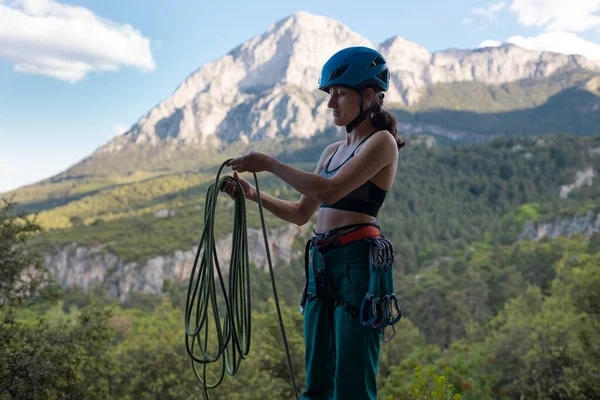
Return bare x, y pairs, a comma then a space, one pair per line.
383, 75
377, 61
338, 72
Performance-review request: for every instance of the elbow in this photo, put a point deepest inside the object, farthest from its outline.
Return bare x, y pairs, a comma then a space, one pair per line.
302, 218
301, 222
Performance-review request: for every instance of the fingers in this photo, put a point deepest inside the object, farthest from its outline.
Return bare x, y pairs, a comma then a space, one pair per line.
245, 184
230, 188
235, 163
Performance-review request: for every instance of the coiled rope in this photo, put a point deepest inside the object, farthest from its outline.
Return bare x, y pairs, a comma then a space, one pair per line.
233, 330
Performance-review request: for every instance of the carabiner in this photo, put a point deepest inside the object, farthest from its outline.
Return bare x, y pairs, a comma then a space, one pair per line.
368, 297
389, 339
398, 310
387, 306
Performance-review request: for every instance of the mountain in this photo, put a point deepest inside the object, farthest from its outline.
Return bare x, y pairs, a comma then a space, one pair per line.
266, 88
413, 67
262, 94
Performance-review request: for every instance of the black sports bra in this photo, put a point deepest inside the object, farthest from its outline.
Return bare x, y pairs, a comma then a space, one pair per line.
367, 198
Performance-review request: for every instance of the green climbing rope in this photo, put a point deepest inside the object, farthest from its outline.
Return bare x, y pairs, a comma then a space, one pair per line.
233, 330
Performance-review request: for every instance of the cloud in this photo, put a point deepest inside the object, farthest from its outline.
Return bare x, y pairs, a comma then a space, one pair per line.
558, 15
466, 21
557, 42
489, 43
67, 42
490, 11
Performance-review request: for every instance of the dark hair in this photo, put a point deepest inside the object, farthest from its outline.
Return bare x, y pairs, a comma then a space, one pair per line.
384, 120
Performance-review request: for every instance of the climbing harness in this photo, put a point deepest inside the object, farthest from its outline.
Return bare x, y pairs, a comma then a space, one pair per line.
380, 307
233, 329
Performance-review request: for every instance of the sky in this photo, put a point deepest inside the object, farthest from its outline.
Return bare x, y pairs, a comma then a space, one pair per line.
74, 74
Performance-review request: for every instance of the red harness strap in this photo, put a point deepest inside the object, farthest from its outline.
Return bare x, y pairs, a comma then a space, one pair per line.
345, 238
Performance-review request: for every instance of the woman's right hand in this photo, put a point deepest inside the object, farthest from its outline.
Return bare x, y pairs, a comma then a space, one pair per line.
230, 187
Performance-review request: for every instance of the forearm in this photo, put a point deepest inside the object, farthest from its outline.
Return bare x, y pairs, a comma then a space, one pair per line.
309, 184
283, 209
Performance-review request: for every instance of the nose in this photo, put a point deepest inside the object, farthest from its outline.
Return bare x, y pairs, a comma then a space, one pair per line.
331, 103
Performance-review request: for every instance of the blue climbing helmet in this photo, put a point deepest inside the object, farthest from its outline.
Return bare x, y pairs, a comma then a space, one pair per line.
358, 68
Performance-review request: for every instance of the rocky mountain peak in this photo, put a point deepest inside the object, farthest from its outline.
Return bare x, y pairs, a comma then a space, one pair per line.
292, 51
267, 86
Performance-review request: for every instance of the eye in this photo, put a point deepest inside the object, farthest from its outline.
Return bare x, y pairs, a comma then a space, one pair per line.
336, 92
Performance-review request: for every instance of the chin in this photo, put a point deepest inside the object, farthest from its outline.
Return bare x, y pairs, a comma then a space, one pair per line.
339, 121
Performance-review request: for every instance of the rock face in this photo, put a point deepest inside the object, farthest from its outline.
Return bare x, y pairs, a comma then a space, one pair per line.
267, 86
585, 224
584, 177
85, 267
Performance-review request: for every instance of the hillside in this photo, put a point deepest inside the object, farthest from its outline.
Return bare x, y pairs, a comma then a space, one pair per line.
444, 199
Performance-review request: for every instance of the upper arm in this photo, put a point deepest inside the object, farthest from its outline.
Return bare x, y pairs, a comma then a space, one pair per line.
376, 153
307, 206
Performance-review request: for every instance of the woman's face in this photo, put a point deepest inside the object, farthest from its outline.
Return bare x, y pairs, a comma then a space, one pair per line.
344, 103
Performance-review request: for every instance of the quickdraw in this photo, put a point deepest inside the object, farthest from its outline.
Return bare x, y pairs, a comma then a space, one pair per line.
378, 304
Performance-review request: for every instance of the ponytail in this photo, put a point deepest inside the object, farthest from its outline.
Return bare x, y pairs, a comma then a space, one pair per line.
384, 120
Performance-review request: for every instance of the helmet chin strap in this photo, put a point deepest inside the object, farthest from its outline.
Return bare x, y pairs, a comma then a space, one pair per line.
362, 115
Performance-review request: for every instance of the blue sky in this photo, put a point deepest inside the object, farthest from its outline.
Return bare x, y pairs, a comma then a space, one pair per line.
73, 78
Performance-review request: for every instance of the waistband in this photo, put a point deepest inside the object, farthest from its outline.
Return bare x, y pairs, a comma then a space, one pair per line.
346, 234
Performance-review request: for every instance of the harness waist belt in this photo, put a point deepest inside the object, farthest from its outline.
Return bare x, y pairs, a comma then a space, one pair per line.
368, 231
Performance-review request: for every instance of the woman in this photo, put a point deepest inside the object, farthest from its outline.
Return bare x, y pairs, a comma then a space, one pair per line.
347, 189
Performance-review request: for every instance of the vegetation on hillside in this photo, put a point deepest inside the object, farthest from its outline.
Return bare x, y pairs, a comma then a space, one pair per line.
498, 322
443, 198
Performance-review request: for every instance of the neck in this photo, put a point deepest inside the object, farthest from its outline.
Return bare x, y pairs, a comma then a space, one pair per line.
359, 132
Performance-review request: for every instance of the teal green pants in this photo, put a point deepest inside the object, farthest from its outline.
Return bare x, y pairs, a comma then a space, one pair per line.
341, 355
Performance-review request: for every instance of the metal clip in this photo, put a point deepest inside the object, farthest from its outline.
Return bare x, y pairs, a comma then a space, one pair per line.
389, 339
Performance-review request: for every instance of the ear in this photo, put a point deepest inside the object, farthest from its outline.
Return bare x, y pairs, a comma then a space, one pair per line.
368, 97
368, 94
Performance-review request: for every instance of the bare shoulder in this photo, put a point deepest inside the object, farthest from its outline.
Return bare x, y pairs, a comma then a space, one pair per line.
386, 137
382, 142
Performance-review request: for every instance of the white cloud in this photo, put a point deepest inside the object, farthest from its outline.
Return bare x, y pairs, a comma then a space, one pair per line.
466, 21
557, 42
558, 15
489, 43
490, 11
67, 42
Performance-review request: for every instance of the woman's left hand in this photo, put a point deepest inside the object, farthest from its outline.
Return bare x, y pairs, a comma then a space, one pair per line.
251, 162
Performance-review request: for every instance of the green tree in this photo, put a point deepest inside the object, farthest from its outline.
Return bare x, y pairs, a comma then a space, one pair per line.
429, 386
39, 359
545, 348
22, 273
153, 362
